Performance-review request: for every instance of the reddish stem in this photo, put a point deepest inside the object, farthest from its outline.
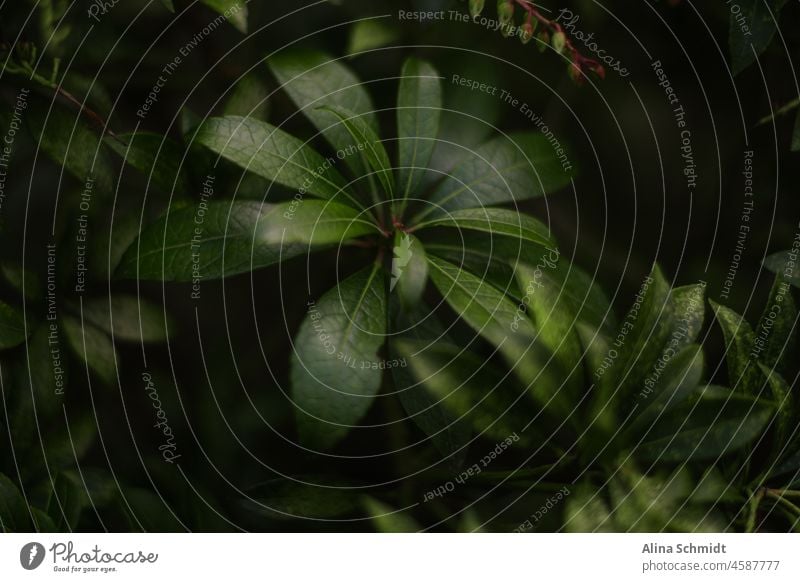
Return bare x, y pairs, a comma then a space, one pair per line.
578, 60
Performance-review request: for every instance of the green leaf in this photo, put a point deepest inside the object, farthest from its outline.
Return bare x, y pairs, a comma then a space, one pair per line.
690, 314
503, 170
284, 499
168, 5
14, 516
128, 318
235, 11
40, 380
666, 390
781, 394
409, 269
493, 315
450, 437
631, 357
775, 341
481, 260
64, 137
157, 157
228, 243
24, 281
12, 327
555, 317
272, 154
642, 335
761, 18
367, 35
335, 372
469, 118
368, 142
42, 522
248, 98
720, 422
314, 80
93, 347
467, 387
784, 264
496, 221
743, 372
314, 222
67, 501
388, 520
419, 105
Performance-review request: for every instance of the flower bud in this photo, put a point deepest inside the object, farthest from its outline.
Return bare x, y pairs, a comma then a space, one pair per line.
476, 7
527, 33
575, 73
559, 41
505, 12
544, 40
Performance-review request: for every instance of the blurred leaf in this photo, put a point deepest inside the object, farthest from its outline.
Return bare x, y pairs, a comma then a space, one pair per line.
373, 149
40, 380
27, 283
555, 318
128, 318
720, 422
64, 137
12, 327
335, 371
287, 499
784, 264
639, 503
761, 16
272, 154
489, 312
14, 515
235, 11
93, 347
248, 98
466, 386
503, 170
449, 436
366, 35
680, 377
468, 117
639, 342
388, 520
42, 522
419, 104
149, 512
168, 5
314, 80
68, 500
228, 243
157, 157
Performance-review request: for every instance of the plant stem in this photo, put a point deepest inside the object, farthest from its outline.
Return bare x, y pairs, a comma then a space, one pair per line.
755, 500
785, 492
772, 494
578, 60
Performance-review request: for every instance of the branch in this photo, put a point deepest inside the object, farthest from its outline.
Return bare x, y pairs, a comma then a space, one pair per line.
579, 64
